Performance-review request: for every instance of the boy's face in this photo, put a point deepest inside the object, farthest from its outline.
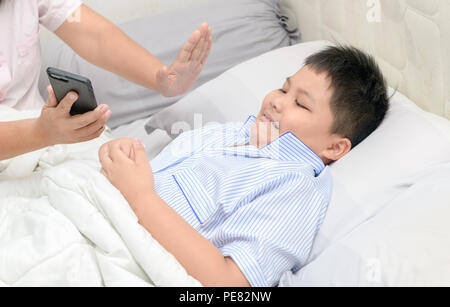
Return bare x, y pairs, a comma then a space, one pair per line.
302, 106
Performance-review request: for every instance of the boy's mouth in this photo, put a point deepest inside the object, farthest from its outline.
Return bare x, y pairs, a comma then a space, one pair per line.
268, 119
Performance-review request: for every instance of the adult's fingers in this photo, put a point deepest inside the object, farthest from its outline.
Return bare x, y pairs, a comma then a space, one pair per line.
200, 54
93, 127
205, 30
65, 105
198, 51
207, 52
187, 49
86, 119
92, 136
202, 45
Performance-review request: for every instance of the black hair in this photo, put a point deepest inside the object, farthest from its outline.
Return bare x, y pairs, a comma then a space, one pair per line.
360, 99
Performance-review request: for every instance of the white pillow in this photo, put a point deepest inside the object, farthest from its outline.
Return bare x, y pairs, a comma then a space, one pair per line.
408, 143
386, 164
407, 244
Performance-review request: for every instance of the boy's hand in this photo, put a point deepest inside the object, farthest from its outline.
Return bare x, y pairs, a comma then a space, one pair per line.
182, 74
125, 164
57, 126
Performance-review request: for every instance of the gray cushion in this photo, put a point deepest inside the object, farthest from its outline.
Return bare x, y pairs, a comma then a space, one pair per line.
242, 29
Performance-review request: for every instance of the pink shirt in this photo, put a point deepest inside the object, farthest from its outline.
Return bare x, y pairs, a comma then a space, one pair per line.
20, 52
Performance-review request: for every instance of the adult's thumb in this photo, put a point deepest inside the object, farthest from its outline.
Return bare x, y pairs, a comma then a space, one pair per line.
51, 101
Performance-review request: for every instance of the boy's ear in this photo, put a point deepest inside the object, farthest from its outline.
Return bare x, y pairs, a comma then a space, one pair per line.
339, 147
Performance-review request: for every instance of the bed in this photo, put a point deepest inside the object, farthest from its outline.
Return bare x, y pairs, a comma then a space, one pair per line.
380, 230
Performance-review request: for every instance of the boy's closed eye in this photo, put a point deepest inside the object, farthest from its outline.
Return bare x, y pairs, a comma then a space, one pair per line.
296, 101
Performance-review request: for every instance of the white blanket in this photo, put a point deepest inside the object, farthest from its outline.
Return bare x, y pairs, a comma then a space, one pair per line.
63, 224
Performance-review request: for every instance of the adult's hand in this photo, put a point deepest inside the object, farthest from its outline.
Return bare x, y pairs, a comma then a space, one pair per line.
182, 74
57, 126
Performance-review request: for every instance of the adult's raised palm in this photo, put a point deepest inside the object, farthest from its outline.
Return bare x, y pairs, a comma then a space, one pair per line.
182, 74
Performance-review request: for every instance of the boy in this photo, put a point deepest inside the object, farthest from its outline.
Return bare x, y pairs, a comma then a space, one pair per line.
242, 206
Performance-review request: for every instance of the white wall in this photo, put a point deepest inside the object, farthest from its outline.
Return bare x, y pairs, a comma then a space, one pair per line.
119, 11
122, 10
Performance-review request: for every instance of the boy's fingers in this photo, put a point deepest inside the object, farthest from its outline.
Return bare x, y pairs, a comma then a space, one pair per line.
140, 156
132, 154
126, 145
116, 153
103, 155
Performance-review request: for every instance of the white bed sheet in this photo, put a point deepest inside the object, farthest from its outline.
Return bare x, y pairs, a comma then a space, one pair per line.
63, 224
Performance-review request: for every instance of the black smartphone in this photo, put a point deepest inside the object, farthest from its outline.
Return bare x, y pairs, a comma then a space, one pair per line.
63, 82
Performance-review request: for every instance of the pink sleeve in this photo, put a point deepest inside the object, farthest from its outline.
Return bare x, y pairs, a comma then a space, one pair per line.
52, 13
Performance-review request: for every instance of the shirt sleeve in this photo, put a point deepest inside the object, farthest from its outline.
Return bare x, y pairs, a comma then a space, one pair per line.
52, 13
274, 233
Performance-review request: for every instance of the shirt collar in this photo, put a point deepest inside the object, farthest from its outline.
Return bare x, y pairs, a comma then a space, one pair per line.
287, 147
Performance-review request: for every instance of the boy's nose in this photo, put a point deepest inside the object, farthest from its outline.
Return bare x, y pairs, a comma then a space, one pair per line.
276, 103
